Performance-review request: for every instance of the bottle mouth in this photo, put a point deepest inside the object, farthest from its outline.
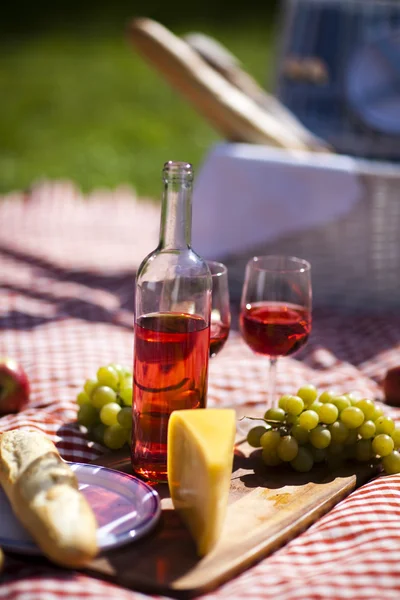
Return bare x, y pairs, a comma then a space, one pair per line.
177, 170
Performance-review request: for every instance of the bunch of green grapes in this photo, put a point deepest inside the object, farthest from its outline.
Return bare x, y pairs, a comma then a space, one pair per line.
309, 428
105, 406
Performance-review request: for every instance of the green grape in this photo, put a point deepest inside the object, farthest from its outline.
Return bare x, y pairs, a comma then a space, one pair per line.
320, 437
275, 414
124, 417
270, 439
82, 398
109, 413
341, 402
367, 406
308, 419
335, 449
391, 463
327, 396
270, 457
120, 370
339, 432
103, 395
367, 430
396, 437
115, 437
287, 448
315, 406
328, 413
382, 444
353, 398
90, 385
292, 419
124, 373
254, 435
363, 450
384, 425
128, 435
308, 393
87, 415
126, 396
377, 413
108, 376
318, 454
97, 433
352, 417
126, 383
294, 405
300, 434
282, 401
303, 461
352, 437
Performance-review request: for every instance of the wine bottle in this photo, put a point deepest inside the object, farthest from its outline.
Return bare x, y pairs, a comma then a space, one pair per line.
172, 327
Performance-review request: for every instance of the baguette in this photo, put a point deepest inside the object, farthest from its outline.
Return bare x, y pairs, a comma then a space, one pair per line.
232, 112
44, 495
225, 63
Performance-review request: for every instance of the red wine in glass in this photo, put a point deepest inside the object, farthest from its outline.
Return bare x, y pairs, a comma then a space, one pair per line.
218, 335
220, 308
169, 373
275, 329
275, 310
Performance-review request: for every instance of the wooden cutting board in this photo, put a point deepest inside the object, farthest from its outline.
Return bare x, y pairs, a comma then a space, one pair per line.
267, 508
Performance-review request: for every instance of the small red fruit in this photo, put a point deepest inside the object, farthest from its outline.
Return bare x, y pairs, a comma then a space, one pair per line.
391, 386
14, 386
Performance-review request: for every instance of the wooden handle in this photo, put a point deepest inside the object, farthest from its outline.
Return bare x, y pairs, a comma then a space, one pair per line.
235, 115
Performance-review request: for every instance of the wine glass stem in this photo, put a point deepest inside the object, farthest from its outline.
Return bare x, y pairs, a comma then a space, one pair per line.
272, 381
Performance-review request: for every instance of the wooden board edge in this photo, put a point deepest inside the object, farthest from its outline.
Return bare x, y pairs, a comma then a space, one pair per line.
256, 553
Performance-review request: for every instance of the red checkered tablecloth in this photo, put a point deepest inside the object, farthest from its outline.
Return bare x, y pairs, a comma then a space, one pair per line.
67, 268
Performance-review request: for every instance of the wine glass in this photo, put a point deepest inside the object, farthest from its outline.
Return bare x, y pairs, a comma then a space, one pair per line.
220, 310
275, 310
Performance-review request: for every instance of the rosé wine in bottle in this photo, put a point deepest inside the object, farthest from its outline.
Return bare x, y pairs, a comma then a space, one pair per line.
172, 328
170, 373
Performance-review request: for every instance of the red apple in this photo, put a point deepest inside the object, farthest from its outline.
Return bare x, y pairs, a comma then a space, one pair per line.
391, 386
14, 386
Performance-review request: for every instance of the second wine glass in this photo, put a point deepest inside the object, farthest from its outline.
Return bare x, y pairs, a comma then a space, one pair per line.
275, 312
220, 308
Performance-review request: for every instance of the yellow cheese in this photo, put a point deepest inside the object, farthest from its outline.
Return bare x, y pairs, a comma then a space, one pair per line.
200, 457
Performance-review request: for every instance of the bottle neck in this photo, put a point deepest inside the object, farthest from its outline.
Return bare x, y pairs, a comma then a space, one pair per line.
176, 214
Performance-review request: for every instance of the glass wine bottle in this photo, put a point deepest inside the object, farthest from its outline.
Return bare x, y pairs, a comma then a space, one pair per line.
172, 327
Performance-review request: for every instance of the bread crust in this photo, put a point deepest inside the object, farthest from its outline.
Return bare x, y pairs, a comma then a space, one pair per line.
44, 495
232, 112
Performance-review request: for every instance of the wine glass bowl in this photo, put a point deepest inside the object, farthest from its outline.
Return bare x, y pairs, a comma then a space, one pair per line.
275, 311
220, 309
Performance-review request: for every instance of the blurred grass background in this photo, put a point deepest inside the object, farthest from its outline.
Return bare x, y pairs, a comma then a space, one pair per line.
77, 102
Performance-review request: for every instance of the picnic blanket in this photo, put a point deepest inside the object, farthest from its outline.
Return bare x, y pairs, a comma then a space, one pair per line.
67, 268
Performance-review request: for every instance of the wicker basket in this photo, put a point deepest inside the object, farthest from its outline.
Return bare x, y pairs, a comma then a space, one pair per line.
355, 254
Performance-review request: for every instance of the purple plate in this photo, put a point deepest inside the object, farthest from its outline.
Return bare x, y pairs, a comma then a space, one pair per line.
126, 508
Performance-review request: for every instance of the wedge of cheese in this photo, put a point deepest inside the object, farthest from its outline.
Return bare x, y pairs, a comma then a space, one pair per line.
200, 457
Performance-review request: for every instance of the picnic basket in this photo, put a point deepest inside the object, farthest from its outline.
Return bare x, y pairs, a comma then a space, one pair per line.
340, 213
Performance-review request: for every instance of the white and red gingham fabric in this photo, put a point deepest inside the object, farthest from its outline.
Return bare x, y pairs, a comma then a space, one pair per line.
67, 269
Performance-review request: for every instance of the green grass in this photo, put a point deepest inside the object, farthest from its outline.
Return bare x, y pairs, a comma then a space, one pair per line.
84, 106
